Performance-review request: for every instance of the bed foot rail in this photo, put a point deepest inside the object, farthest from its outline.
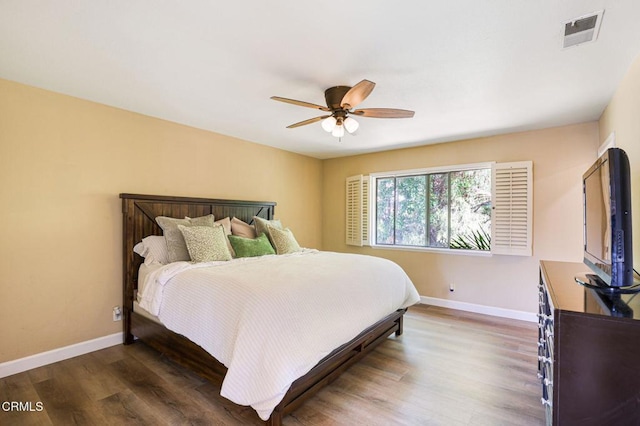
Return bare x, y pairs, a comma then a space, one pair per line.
275, 419
335, 363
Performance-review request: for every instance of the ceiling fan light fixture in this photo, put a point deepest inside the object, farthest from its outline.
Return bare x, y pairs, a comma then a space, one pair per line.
341, 101
329, 123
351, 125
338, 131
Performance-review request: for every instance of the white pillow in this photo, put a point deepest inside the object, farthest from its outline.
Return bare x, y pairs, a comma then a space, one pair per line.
154, 250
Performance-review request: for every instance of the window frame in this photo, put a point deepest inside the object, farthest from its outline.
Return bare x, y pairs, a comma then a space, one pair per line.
372, 195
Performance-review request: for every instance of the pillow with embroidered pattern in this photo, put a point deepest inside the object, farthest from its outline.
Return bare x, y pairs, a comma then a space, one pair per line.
176, 246
283, 240
206, 243
262, 225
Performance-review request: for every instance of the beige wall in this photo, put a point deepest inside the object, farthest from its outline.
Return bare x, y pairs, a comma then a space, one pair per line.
622, 116
63, 162
559, 156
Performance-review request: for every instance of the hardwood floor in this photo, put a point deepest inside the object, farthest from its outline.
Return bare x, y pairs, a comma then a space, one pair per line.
448, 368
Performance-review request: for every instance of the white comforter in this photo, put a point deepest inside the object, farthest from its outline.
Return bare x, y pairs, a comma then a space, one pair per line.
270, 319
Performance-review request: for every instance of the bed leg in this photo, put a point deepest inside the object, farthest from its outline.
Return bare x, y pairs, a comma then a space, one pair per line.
275, 419
400, 326
128, 339
126, 329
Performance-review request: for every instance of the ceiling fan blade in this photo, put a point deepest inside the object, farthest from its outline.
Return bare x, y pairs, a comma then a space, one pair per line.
300, 103
309, 121
357, 94
383, 113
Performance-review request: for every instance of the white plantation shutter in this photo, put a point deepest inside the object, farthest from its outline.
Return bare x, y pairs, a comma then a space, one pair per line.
365, 210
511, 216
357, 214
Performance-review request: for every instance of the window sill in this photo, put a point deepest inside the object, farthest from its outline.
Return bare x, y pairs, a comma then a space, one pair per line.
456, 252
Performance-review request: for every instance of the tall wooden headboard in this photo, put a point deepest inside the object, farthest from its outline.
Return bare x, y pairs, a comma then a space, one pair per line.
139, 213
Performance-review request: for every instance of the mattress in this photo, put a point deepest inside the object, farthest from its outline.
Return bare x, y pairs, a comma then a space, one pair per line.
143, 273
139, 310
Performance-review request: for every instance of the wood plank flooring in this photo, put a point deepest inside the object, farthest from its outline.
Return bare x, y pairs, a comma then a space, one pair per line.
448, 368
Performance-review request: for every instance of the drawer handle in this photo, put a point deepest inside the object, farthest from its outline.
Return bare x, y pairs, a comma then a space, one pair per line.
545, 359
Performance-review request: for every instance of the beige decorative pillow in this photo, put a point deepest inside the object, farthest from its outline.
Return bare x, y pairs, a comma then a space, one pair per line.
205, 243
226, 224
242, 229
262, 226
176, 247
283, 240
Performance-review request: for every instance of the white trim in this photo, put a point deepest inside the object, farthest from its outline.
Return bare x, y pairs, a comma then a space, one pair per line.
610, 142
480, 309
10, 368
366, 210
429, 170
457, 252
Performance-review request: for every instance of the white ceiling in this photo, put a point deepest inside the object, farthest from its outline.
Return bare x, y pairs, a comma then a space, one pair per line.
467, 68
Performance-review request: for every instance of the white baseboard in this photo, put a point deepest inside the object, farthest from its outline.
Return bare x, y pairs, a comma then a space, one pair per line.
480, 309
10, 368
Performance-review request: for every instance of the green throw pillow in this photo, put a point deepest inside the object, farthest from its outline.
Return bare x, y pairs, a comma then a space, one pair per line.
247, 247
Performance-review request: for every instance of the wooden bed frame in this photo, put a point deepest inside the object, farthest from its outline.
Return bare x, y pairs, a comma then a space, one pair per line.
139, 213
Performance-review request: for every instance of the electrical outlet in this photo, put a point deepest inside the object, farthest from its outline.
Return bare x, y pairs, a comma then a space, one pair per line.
117, 313
452, 287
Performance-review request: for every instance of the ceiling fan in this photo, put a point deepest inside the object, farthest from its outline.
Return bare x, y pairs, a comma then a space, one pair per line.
340, 103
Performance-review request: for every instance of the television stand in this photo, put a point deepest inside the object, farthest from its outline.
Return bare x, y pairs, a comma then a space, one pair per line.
596, 283
588, 351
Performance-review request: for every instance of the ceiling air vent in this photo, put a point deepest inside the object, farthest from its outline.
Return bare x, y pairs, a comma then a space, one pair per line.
583, 29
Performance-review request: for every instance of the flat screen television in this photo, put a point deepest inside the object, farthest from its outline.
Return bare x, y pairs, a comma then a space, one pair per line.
607, 220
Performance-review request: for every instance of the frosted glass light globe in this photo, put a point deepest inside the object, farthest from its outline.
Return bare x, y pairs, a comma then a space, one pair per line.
329, 123
351, 125
338, 131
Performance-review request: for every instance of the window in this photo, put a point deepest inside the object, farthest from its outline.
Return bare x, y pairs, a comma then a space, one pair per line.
480, 208
448, 209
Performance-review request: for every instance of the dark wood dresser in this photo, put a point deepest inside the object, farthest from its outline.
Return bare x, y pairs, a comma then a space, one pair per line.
588, 351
